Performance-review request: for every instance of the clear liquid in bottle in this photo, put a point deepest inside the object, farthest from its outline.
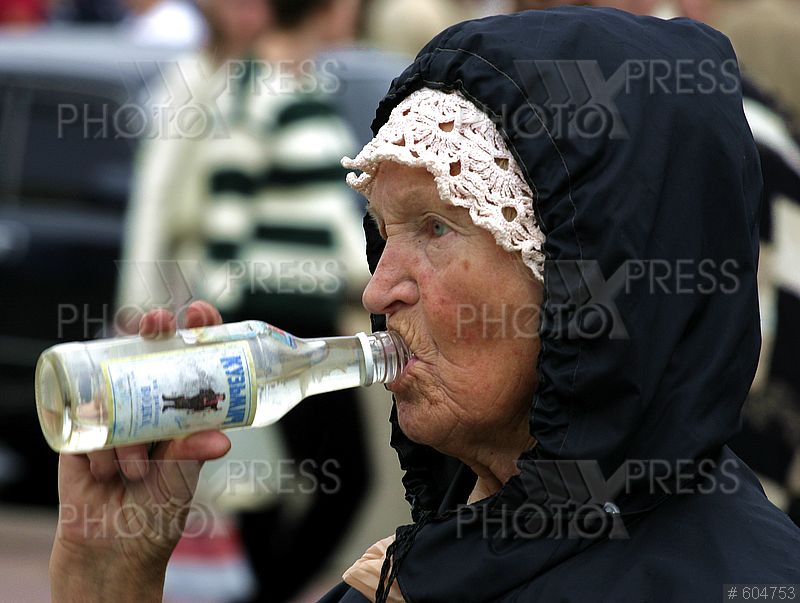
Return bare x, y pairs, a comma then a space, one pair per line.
127, 390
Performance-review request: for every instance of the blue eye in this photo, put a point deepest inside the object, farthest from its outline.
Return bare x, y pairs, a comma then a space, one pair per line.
439, 228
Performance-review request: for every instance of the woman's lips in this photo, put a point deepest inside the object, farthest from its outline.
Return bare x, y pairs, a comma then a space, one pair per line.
398, 383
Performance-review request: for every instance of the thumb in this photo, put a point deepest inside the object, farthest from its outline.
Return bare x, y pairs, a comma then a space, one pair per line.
201, 446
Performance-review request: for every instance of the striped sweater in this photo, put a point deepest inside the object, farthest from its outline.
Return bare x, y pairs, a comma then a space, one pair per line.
254, 208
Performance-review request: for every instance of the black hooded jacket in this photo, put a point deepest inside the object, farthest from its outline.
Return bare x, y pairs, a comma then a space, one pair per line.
630, 131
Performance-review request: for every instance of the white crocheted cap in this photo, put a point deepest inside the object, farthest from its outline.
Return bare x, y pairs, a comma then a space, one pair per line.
470, 162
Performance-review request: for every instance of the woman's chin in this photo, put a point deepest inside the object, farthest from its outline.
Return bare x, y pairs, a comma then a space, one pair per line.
409, 416
413, 401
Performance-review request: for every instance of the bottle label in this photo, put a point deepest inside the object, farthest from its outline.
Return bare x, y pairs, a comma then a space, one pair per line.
170, 393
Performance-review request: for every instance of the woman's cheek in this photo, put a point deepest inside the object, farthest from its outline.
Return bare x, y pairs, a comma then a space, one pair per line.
459, 319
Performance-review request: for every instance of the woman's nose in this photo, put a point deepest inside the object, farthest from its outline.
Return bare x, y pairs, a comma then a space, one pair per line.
392, 286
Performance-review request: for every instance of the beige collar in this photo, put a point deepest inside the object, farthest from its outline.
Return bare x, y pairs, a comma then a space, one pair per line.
365, 573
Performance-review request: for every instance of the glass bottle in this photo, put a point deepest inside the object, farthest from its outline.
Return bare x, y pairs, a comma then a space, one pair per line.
127, 390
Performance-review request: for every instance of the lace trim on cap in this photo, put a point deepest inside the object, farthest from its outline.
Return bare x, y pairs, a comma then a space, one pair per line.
471, 164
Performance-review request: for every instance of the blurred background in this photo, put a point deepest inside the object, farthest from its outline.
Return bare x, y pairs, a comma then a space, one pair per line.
153, 152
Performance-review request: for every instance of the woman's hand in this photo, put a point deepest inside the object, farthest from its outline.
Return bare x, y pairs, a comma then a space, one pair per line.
122, 511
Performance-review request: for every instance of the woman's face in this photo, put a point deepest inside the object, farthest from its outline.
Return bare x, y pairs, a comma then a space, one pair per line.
467, 309
240, 22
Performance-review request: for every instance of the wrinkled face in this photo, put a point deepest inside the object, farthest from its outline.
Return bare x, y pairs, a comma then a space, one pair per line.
467, 309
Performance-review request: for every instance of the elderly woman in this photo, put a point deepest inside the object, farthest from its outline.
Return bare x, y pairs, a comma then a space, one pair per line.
564, 229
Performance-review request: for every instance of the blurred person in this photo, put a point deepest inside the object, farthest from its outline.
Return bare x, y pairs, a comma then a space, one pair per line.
164, 23
233, 28
404, 27
764, 34
258, 203
194, 81
302, 219
304, 28
498, 432
770, 437
22, 13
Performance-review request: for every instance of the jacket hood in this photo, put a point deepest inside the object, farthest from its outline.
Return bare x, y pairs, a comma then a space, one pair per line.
630, 131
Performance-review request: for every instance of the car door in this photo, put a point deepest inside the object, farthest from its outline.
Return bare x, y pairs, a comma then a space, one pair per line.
65, 170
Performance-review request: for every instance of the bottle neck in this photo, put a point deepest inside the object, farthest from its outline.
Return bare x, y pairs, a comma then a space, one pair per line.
357, 360
385, 355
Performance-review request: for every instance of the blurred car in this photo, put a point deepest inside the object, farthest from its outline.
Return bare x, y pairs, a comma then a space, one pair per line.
70, 99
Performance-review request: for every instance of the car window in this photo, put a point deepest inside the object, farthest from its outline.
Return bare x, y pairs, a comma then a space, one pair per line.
6, 141
75, 152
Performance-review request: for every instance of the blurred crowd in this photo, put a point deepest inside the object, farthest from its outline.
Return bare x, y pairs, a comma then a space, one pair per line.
261, 189
762, 30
